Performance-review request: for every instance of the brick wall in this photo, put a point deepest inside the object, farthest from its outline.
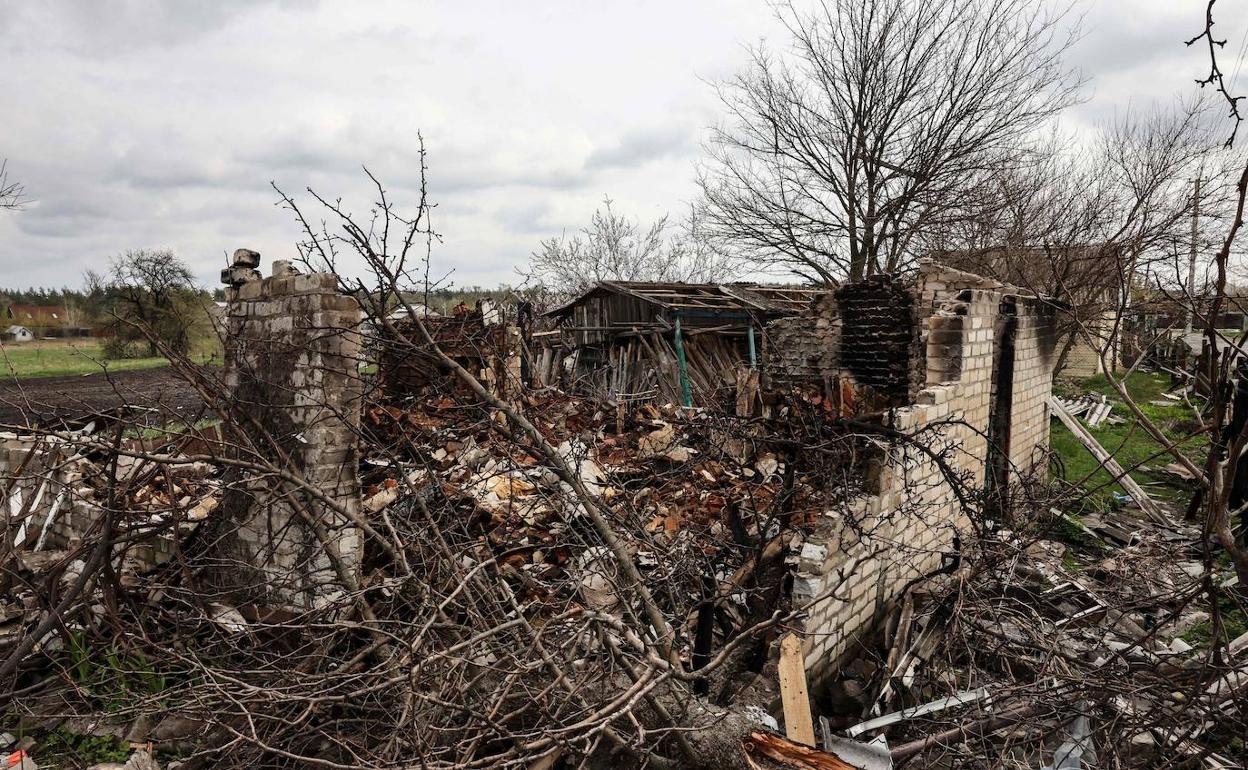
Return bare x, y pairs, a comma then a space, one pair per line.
878, 345
858, 559
292, 354
863, 333
41, 481
1084, 360
481, 341
804, 348
54, 505
1035, 347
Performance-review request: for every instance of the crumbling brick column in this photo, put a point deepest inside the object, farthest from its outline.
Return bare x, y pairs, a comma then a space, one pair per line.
292, 349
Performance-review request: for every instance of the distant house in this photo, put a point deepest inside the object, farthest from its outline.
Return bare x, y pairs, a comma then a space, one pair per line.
46, 320
39, 316
423, 311
18, 334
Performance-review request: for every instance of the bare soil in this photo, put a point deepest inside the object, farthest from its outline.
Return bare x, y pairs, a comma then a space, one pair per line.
44, 399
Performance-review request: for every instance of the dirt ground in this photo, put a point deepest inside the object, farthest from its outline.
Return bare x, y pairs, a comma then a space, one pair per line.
31, 401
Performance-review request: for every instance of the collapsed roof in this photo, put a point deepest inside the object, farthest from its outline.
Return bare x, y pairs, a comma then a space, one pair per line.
737, 300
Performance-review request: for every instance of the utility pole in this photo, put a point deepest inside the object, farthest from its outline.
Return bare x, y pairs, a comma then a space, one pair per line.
1191, 265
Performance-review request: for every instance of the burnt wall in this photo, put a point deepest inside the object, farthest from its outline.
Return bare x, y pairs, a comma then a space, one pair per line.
866, 333
481, 342
878, 334
934, 346
803, 349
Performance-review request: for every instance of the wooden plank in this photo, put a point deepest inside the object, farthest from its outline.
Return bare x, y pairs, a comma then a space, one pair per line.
1097, 414
798, 725
1146, 503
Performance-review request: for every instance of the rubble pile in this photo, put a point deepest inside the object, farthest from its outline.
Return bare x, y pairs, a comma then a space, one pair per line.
697, 493
488, 588
189, 490
1065, 639
474, 573
1043, 650
59, 484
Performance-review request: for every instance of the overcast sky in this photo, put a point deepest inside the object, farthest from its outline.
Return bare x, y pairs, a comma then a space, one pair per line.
140, 123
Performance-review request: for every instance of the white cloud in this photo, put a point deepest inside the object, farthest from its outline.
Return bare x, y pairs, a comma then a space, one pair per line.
146, 123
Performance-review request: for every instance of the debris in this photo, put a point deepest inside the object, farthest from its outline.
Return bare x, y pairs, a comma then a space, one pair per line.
1095, 408
203, 508
873, 755
792, 755
658, 442
957, 699
1097, 414
20, 760
767, 466
1177, 469
597, 578
757, 714
141, 759
228, 618
1070, 755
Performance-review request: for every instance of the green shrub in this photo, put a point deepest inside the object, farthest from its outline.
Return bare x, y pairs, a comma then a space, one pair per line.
117, 348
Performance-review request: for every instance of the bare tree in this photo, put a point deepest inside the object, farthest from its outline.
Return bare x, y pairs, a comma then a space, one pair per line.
152, 296
614, 247
1073, 223
835, 158
558, 627
1221, 473
12, 194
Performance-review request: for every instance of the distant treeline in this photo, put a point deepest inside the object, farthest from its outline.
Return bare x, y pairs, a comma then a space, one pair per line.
442, 299
41, 296
66, 297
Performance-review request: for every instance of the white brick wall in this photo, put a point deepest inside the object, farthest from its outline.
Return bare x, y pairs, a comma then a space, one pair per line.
904, 530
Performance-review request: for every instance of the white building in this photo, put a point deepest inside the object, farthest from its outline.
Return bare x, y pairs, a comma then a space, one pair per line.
18, 334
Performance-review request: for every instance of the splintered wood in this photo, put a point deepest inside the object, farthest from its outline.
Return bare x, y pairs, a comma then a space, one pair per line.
790, 754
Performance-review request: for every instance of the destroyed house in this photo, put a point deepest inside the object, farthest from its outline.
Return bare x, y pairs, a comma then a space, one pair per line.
1085, 276
678, 342
962, 364
483, 340
956, 367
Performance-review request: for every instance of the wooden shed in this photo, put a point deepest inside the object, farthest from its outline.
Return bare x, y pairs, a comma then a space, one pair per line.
677, 341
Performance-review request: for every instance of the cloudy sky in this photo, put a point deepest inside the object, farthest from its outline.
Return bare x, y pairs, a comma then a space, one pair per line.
142, 123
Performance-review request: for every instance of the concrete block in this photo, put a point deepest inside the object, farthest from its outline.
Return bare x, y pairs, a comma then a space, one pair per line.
246, 258
251, 290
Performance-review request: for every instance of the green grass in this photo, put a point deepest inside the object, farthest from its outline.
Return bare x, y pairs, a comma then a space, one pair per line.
42, 359
1129, 444
170, 431
61, 748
